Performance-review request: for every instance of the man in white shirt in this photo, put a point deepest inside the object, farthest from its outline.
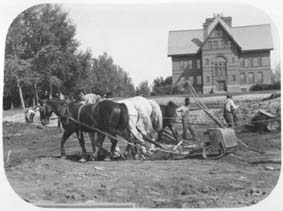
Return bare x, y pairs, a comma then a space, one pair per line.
184, 112
230, 111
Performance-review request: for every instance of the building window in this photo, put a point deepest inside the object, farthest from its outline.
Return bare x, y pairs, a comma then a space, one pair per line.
255, 61
246, 62
191, 79
264, 61
218, 33
181, 64
199, 80
242, 78
221, 44
207, 79
207, 61
198, 64
224, 69
185, 64
215, 44
233, 60
259, 61
209, 44
233, 77
251, 77
216, 69
220, 69
242, 62
228, 44
251, 61
260, 77
190, 64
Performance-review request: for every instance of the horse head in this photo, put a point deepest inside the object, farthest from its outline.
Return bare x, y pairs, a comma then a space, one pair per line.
170, 114
45, 112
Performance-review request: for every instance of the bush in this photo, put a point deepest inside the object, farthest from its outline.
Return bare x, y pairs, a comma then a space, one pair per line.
261, 87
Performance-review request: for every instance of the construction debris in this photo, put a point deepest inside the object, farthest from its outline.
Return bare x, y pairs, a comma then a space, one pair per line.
265, 121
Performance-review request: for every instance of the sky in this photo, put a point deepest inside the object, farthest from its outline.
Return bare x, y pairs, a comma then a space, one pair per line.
136, 36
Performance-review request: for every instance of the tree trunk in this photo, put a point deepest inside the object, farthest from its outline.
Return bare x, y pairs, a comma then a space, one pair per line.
21, 96
50, 86
36, 94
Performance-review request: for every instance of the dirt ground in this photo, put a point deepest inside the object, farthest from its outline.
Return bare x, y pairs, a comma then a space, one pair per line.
37, 173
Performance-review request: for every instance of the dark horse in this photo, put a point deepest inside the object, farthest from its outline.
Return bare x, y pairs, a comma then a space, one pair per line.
107, 115
169, 119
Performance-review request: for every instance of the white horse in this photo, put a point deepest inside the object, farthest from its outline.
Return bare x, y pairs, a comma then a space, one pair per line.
90, 98
145, 118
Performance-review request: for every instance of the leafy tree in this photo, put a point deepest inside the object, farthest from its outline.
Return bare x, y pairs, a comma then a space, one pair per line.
42, 55
143, 88
105, 77
40, 50
276, 74
162, 86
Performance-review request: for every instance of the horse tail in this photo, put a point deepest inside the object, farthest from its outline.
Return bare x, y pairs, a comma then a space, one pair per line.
156, 116
124, 117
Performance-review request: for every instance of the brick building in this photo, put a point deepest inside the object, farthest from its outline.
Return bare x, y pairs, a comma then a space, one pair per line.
219, 57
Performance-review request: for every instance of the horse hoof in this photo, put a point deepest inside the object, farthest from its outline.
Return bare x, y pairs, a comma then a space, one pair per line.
143, 157
92, 158
123, 157
63, 157
82, 160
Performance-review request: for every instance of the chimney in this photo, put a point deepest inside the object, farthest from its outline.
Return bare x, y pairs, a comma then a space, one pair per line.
205, 25
228, 20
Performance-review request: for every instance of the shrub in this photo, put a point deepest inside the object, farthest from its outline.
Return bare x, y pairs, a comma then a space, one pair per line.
261, 87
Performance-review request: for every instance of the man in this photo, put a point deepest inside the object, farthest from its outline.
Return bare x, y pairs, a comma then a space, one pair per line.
229, 113
29, 114
184, 112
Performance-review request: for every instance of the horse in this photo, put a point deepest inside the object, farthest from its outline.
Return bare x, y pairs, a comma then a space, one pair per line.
107, 115
170, 118
90, 98
54, 106
145, 118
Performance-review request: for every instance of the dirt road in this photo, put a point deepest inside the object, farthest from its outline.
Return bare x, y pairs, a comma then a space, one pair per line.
37, 173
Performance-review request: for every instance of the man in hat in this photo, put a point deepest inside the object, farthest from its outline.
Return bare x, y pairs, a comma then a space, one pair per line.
184, 112
229, 113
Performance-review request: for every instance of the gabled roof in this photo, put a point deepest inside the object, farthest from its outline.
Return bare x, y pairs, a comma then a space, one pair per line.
219, 21
181, 42
254, 37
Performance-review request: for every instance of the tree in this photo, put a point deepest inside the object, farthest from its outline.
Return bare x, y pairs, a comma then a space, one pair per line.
17, 69
276, 74
162, 86
143, 88
106, 77
40, 50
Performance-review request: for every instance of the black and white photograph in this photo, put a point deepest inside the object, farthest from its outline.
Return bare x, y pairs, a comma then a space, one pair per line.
158, 104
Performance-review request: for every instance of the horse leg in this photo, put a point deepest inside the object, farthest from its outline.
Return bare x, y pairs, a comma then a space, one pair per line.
82, 143
93, 144
59, 124
113, 147
100, 140
141, 150
67, 133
